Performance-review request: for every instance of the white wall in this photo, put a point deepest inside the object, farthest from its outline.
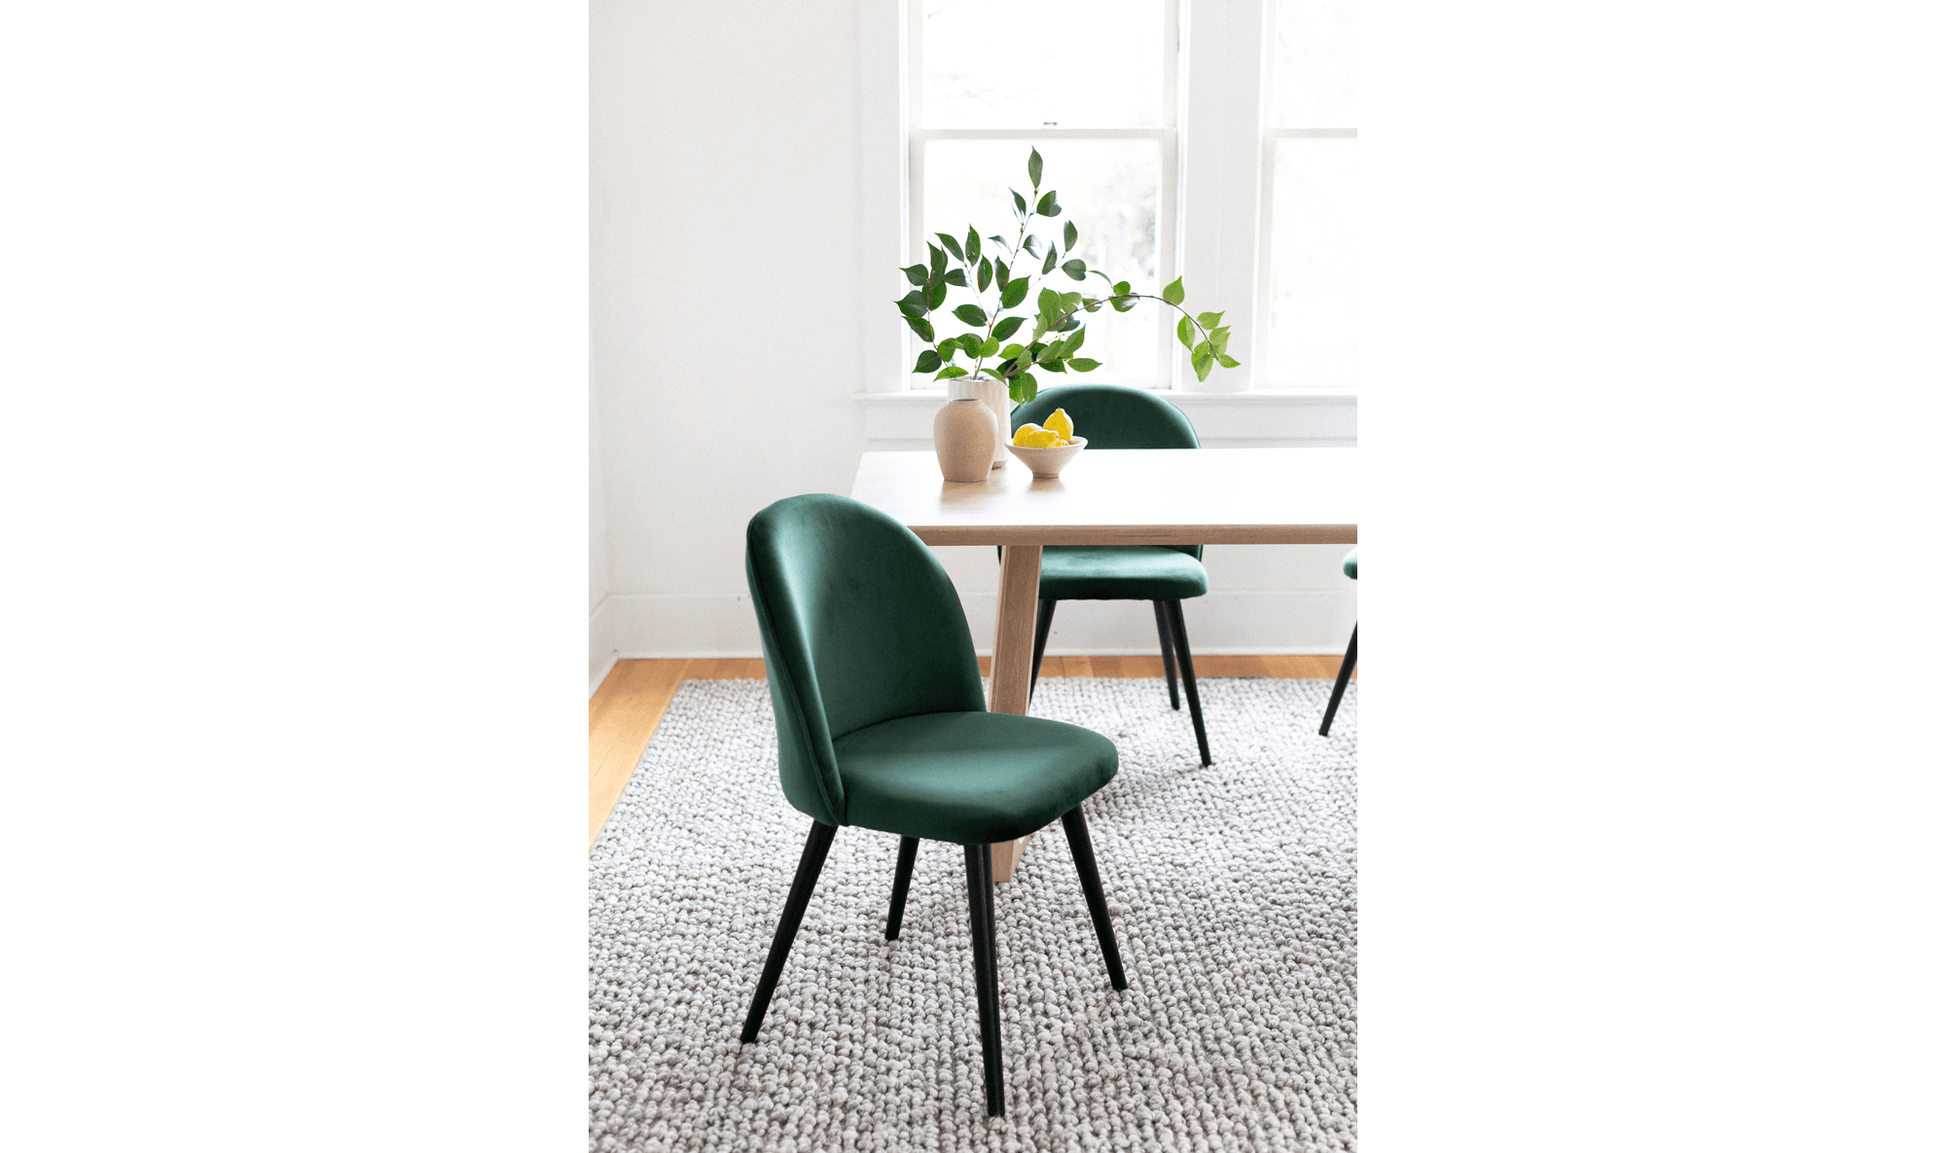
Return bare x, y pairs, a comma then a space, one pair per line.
727, 342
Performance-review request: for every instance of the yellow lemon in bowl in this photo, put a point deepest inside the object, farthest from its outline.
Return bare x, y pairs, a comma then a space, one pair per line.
1031, 435
1061, 424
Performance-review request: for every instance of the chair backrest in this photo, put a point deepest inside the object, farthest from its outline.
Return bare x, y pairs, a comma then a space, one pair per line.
1111, 416
860, 625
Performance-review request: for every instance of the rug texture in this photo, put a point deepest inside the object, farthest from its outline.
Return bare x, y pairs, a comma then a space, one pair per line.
1232, 889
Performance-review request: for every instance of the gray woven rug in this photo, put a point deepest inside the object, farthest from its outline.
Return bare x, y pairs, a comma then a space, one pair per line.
1232, 888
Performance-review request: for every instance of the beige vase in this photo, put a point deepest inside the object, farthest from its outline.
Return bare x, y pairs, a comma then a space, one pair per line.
993, 394
963, 437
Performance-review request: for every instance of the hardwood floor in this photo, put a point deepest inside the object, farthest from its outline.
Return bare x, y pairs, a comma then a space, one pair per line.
624, 712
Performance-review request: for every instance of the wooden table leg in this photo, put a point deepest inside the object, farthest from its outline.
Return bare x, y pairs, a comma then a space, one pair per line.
1013, 654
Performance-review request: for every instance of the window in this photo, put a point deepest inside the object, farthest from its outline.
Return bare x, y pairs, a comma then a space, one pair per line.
1308, 278
1195, 139
1092, 86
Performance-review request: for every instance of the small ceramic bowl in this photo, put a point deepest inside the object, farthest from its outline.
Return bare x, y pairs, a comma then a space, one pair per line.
1047, 463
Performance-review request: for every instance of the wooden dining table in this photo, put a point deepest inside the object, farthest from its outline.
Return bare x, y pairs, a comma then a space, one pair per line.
1109, 497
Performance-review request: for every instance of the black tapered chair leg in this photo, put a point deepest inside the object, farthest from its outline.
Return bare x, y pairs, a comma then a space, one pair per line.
1043, 624
1181, 637
808, 868
1168, 653
986, 969
1344, 677
901, 881
1083, 850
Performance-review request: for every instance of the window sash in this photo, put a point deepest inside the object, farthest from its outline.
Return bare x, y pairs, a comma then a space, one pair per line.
1168, 200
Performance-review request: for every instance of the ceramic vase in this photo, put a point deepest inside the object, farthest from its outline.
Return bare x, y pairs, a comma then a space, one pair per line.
964, 434
993, 394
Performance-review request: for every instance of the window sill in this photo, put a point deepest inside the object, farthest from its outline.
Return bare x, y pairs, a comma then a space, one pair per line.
1271, 418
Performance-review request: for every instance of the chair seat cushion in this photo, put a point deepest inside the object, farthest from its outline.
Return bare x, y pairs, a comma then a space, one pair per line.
1120, 573
969, 778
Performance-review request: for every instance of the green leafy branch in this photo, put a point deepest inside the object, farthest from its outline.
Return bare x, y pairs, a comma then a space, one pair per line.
1055, 312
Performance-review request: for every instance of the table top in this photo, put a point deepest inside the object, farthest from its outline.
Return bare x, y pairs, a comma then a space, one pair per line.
1127, 496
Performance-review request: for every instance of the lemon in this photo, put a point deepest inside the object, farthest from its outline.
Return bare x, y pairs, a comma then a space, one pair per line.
1060, 422
1031, 435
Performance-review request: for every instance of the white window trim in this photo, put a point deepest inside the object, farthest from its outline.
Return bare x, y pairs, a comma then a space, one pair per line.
1224, 230
1287, 418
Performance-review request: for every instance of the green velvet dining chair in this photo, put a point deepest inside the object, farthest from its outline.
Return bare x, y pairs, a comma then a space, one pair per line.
1111, 417
1351, 657
881, 724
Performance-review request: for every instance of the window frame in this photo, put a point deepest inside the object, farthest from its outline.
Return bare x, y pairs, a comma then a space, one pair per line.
1218, 165
1168, 248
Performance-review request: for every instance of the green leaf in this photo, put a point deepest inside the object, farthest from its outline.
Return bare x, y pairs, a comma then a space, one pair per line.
1048, 206
1092, 306
938, 260
1185, 332
1020, 203
1048, 264
1227, 361
1083, 364
1105, 278
916, 274
1073, 343
1076, 268
1201, 351
1048, 304
950, 373
952, 245
1069, 234
935, 294
1173, 293
928, 361
1209, 319
956, 278
985, 273
1053, 366
1001, 241
1012, 351
1120, 305
1032, 245
1203, 365
971, 314
1072, 323
989, 347
913, 304
1003, 368
1009, 325
1219, 340
1014, 293
972, 245
1034, 166
922, 327
1023, 387
1000, 275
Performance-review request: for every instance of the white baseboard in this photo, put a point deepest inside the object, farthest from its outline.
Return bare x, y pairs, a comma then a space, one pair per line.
1225, 622
601, 644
